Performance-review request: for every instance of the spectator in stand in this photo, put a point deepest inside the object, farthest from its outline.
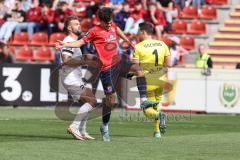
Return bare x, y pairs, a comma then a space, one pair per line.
203, 60
122, 16
3, 11
168, 7
5, 55
61, 14
116, 5
57, 2
197, 3
116, 2
26, 5
132, 3
176, 50
93, 8
237, 66
180, 3
48, 17
156, 17
34, 20
49, 2
136, 17
9, 3
13, 17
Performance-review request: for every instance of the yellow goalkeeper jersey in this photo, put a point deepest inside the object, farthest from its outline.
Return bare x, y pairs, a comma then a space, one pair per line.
151, 55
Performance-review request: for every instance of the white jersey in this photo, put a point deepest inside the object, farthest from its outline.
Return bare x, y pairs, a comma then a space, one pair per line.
71, 75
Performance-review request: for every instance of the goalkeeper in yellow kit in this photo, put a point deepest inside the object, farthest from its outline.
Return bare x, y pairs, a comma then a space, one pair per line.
153, 56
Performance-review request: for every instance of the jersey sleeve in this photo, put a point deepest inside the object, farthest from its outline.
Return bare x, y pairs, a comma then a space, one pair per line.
89, 36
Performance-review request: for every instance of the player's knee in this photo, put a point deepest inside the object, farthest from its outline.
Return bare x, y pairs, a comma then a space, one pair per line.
137, 70
91, 100
110, 100
93, 103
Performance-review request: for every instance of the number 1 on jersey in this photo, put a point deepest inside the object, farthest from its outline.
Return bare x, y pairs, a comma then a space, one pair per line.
155, 52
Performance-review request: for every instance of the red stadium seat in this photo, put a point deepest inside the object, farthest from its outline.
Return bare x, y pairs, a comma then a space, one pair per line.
54, 37
197, 27
12, 50
43, 54
166, 40
217, 2
25, 54
179, 27
187, 43
208, 12
39, 39
189, 13
20, 38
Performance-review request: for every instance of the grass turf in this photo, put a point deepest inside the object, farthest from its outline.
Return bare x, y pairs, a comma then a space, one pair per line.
37, 134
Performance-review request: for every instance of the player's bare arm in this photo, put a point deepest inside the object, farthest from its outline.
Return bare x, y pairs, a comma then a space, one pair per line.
67, 60
88, 60
123, 36
167, 61
76, 44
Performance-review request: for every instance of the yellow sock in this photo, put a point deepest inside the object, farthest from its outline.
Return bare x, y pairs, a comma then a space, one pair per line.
151, 113
156, 126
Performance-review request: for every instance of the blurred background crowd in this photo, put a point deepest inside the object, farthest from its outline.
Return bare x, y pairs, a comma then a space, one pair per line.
29, 28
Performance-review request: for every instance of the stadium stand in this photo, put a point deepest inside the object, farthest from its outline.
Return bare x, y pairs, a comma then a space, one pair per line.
39, 39
197, 27
189, 13
20, 38
54, 37
187, 42
179, 27
189, 26
25, 54
43, 54
209, 13
224, 50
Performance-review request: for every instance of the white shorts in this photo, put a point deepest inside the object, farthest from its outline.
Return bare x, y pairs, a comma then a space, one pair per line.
75, 91
74, 85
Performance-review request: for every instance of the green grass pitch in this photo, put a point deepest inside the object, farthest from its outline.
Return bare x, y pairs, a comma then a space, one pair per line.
37, 134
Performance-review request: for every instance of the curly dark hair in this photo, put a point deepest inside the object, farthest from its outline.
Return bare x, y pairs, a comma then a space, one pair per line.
105, 14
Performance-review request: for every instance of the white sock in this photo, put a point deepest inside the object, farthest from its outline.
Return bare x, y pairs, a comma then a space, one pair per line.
81, 114
105, 127
83, 125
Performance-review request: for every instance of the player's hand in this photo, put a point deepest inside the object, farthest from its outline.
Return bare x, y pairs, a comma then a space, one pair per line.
59, 45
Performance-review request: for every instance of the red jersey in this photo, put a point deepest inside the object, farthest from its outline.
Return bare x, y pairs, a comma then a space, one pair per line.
158, 15
105, 42
137, 14
48, 17
60, 15
34, 15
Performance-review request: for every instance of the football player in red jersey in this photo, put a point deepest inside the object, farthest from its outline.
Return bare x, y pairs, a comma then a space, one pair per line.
104, 38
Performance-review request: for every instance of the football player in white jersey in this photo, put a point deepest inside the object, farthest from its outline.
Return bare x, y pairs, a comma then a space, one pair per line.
71, 77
